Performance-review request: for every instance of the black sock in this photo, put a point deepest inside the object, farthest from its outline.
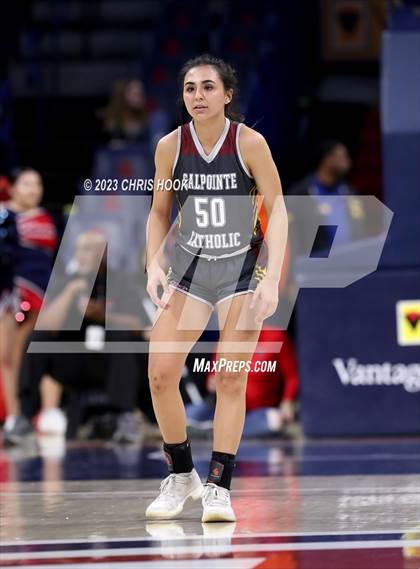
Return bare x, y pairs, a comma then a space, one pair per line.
221, 469
178, 456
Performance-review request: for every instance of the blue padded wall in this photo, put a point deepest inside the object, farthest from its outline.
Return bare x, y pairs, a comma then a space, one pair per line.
358, 322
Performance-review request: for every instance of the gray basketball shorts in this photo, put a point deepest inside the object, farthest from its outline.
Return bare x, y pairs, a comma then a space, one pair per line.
215, 280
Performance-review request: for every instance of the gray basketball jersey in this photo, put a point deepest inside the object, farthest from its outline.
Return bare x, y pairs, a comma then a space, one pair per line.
215, 194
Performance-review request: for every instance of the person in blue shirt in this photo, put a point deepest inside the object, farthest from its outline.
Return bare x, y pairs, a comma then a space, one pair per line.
333, 164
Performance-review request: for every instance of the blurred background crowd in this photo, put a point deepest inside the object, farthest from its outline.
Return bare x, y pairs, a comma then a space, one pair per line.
86, 91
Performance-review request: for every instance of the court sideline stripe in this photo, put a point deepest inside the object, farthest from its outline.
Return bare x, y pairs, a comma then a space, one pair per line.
211, 548
180, 538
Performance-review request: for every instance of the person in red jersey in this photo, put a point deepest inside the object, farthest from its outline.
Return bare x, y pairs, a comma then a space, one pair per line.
37, 244
216, 168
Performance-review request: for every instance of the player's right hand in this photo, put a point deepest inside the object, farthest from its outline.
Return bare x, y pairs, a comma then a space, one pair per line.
156, 276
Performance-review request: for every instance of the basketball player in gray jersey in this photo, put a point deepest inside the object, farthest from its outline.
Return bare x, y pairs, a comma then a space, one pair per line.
218, 168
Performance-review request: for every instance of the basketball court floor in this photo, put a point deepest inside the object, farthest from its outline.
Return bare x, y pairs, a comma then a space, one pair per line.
317, 504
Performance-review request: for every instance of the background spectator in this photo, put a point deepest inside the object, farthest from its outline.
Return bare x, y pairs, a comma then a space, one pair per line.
94, 368
329, 178
129, 118
126, 118
32, 268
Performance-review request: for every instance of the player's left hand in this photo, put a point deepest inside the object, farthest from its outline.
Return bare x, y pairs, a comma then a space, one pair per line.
265, 299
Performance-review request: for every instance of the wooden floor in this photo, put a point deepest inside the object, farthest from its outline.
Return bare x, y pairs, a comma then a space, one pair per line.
307, 505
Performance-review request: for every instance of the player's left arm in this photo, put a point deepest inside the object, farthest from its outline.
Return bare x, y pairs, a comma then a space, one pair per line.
257, 156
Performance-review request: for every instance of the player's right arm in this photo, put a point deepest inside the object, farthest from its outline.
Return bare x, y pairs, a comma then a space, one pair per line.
159, 221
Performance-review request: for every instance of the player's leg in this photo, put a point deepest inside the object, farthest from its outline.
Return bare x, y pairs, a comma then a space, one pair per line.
231, 385
8, 329
169, 347
229, 415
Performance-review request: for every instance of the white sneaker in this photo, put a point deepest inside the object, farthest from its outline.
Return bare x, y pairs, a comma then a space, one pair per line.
52, 422
216, 504
175, 489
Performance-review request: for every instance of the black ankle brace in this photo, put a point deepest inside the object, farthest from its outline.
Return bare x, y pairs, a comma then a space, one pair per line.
178, 457
221, 469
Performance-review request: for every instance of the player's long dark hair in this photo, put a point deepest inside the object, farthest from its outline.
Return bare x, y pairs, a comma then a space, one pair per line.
227, 74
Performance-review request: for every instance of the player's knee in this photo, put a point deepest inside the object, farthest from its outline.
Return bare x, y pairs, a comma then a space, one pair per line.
231, 383
160, 379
